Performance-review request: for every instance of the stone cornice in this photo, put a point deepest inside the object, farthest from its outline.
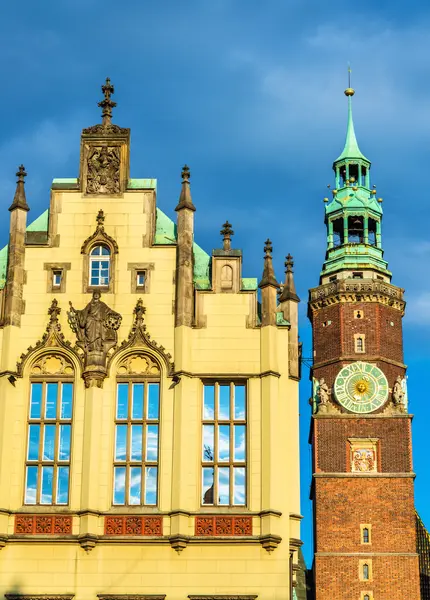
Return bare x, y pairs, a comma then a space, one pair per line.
352, 358
344, 290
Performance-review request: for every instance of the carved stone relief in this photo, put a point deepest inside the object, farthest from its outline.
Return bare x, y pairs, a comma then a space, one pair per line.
96, 328
103, 170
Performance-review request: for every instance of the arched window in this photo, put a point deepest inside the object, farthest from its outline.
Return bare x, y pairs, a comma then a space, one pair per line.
359, 345
137, 422
366, 597
100, 266
366, 571
47, 469
366, 538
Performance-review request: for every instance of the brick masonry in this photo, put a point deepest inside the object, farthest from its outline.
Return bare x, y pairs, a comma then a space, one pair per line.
343, 501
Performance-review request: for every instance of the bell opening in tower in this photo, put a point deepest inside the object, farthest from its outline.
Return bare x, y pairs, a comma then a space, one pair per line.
355, 230
353, 173
337, 232
372, 232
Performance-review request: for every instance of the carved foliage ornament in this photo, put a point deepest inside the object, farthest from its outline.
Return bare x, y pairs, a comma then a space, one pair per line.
100, 236
223, 525
133, 525
53, 363
140, 338
103, 170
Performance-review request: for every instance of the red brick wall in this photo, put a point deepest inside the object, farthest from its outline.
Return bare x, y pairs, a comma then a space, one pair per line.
336, 339
394, 578
341, 504
394, 447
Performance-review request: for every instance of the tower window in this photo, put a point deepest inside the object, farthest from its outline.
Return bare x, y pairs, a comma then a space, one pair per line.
365, 534
337, 232
366, 572
355, 230
372, 232
363, 175
359, 342
140, 279
357, 275
358, 314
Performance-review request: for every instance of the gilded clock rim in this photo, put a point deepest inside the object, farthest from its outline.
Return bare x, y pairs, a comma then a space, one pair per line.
361, 387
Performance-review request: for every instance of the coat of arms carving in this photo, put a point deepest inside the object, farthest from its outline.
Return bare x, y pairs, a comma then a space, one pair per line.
103, 170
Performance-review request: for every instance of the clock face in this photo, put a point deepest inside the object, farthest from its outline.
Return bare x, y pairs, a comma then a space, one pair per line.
361, 387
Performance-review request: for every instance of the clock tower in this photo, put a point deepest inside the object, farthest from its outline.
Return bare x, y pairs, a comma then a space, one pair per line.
363, 479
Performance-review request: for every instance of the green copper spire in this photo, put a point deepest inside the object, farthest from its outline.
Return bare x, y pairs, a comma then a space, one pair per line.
351, 149
353, 216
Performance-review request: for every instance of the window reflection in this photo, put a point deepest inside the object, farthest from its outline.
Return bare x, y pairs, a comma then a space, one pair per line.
49, 443
224, 444
136, 443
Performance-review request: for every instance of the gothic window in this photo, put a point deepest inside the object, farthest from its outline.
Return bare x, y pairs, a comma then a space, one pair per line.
136, 442
366, 597
224, 444
99, 266
365, 534
49, 442
359, 343
366, 573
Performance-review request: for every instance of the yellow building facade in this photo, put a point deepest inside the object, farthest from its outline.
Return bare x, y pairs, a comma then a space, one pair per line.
149, 441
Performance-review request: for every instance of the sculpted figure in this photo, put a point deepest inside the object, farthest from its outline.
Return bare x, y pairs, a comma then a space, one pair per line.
95, 326
398, 392
323, 392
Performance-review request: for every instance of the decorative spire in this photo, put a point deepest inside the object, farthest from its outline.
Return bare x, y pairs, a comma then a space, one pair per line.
20, 200
289, 288
185, 200
107, 104
227, 232
351, 149
100, 220
268, 277
53, 312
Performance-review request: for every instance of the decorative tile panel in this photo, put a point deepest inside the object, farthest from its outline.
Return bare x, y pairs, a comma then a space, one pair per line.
43, 524
224, 525
133, 525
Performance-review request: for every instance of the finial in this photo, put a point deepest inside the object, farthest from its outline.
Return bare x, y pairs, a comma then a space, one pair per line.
268, 277
20, 200
53, 312
185, 200
21, 174
227, 232
100, 219
289, 289
349, 91
107, 104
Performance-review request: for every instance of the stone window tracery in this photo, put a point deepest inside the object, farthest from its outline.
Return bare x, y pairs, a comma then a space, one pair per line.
224, 444
137, 422
49, 436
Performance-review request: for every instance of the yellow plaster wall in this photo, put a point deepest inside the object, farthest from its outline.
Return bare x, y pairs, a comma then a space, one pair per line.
226, 345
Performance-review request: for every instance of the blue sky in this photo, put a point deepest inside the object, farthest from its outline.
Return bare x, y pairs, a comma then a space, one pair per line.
250, 95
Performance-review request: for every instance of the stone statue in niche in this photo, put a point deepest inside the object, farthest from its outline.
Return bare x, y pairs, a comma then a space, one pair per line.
399, 393
103, 170
323, 394
96, 328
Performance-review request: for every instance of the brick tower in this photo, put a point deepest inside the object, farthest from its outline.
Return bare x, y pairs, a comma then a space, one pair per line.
363, 481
